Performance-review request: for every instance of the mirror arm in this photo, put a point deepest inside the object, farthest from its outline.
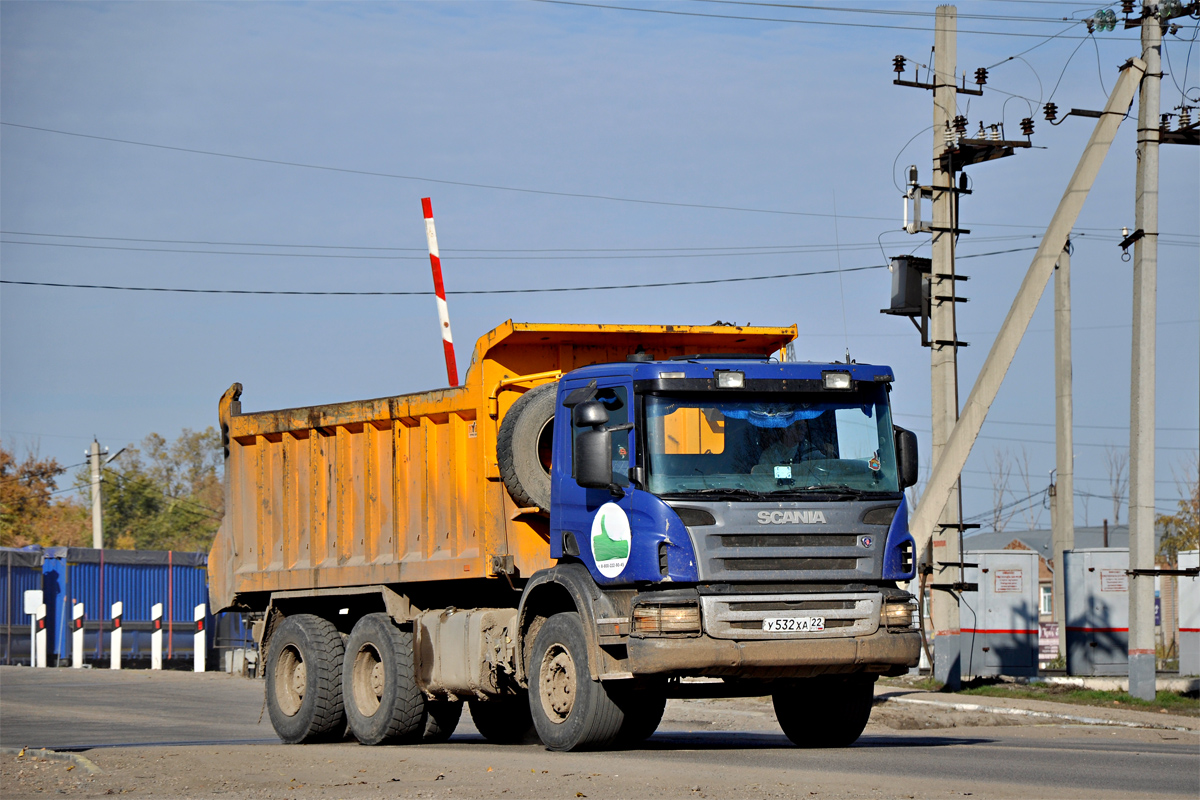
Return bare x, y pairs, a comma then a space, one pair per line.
615, 491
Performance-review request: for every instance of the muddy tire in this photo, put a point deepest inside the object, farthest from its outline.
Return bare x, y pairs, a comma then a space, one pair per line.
503, 720
441, 718
383, 703
643, 707
825, 712
523, 447
304, 680
570, 710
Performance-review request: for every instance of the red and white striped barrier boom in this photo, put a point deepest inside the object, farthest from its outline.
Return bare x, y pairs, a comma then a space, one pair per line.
435, 261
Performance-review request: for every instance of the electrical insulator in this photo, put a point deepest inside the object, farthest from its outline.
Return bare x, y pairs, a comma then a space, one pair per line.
948, 134
1185, 117
1127, 7
960, 124
1164, 122
1027, 127
912, 174
1169, 8
962, 181
1051, 112
982, 134
1107, 19
898, 64
995, 132
981, 76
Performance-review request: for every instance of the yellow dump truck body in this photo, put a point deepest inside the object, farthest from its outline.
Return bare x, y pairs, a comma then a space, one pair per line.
407, 488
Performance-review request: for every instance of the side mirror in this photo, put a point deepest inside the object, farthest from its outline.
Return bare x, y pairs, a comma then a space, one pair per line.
589, 414
593, 458
906, 457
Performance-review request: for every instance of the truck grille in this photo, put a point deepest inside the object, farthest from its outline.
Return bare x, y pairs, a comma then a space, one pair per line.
785, 556
740, 617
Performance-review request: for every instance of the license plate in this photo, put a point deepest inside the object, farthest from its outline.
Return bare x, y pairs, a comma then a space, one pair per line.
793, 624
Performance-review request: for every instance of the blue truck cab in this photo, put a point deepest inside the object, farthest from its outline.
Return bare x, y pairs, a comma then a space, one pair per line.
725, 516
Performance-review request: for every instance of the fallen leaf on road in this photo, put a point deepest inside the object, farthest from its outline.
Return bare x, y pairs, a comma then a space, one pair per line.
441, 777
580, 794
70, 768
489, 769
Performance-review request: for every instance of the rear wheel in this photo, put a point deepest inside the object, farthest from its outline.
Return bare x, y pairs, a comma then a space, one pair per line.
441, 718
304, 676
825, 712
384, 705
570, 710
503, 720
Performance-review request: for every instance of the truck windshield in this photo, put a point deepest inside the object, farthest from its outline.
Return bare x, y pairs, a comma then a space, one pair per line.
815, 444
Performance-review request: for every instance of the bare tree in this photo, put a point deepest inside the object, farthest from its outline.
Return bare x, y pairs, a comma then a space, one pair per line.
1031, 511
1000, 471
1118, 478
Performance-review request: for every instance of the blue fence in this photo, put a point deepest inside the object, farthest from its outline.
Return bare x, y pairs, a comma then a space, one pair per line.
138, 579
20, 571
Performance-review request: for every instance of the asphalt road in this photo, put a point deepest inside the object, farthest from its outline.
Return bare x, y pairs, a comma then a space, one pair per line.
180, 734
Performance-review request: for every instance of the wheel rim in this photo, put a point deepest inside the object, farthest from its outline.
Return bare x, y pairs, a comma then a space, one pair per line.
369, 678
557, 683
545, 445
291, 679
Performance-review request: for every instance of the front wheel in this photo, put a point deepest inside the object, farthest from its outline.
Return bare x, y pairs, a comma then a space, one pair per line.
825, 712
570, 710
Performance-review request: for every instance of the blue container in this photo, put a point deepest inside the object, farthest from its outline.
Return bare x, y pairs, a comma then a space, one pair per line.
136, 578
20, 571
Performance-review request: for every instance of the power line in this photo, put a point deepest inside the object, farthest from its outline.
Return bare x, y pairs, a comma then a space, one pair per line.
441, 181
793, 21
459, 292
888, 12
497, 187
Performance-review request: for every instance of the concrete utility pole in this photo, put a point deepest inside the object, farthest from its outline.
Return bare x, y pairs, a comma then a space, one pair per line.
944, 350
1063, 534
97, 521
1142, 682
946, 469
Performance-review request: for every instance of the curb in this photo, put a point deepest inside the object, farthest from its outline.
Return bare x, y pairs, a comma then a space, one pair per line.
51, 755
1022, 712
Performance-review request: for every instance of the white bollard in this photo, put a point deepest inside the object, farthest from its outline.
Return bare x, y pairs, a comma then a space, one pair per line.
115, 655
33, 599
77, 636
40, 648
156, 637
198, 640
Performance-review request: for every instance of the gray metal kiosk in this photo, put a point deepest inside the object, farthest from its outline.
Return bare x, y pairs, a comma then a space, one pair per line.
999, 622
1189, 615
1097, 589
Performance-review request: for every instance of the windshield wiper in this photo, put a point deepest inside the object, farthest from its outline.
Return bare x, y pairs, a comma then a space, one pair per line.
717, 491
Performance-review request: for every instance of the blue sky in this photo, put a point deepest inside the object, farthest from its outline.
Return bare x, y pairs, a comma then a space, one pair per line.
762, 115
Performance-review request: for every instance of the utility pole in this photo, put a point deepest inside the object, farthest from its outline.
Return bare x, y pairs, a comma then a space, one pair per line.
1142, 683
97, 520
1063, 534
944, 350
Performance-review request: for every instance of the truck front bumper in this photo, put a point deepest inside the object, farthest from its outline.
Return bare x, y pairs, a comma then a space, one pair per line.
879, 652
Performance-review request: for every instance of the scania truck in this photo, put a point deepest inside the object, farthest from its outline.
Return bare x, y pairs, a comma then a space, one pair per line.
598, 516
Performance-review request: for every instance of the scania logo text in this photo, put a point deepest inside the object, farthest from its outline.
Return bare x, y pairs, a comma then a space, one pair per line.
791, 517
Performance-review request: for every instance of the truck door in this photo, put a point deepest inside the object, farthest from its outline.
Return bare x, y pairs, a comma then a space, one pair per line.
592, 521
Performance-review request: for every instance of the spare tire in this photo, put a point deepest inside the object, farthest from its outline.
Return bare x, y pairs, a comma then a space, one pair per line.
523, 447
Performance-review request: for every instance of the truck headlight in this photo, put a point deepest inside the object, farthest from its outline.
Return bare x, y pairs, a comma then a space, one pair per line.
654, 618
901, 615
730, 379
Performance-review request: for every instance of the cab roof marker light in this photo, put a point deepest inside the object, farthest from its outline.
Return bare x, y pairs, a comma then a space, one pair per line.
730, 379
669, 375
837, 380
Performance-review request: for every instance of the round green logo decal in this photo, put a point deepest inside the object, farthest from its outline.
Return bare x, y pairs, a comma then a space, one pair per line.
610, 540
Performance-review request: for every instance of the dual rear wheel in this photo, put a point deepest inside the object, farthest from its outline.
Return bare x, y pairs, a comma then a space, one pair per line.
318, 686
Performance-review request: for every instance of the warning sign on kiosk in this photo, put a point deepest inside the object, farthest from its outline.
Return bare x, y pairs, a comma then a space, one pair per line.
1114, 580
1010, 580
